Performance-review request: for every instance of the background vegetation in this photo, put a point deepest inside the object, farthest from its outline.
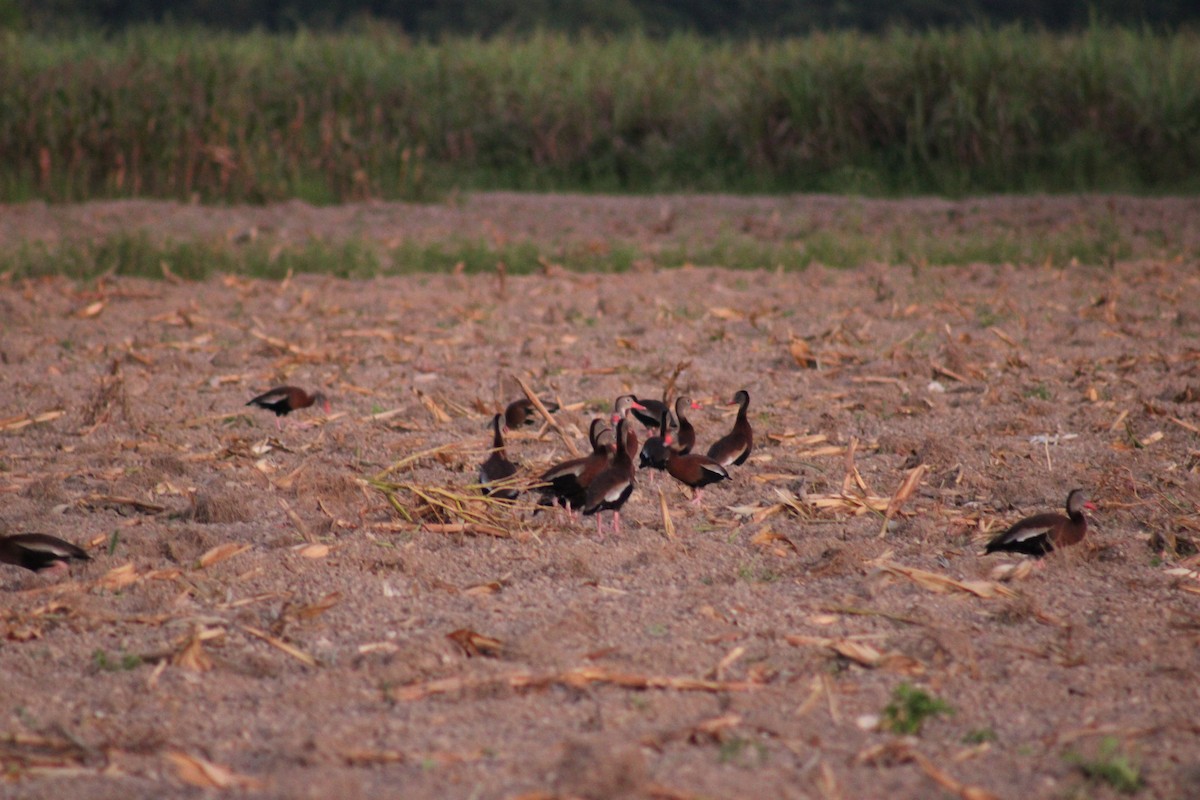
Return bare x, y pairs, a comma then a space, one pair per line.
716, 18
326, 117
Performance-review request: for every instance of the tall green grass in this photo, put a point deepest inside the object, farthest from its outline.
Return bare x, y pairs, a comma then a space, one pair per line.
329, 117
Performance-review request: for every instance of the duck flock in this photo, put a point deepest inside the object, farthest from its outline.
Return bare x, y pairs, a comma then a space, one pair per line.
602, 480
605, 478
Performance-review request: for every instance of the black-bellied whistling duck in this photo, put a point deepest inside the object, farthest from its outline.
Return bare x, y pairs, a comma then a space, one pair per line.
1042, 533
39, 552
735, 446
695, 470
655, 449
623, 405
521, 412
612, 487
569, 480
497, 467
685, 439
283, 400
650, 412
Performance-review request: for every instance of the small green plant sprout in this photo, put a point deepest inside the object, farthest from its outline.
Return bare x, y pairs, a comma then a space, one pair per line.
1040, 391
979, 736
107, 663
986, 315
909, 709
751, 574
1110, 766
737, 749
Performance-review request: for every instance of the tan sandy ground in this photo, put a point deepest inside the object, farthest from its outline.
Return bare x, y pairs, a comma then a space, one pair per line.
747, 654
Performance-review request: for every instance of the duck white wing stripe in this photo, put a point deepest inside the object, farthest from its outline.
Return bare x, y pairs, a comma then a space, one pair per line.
1029, 533
615, 492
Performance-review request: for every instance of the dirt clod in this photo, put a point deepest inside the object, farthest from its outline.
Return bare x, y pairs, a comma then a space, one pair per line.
599, 769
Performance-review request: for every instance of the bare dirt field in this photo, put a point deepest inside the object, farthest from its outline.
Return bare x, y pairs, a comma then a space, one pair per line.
258, 618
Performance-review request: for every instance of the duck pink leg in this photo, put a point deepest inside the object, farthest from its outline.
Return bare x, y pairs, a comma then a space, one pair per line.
56, 569
696, 495
616, 523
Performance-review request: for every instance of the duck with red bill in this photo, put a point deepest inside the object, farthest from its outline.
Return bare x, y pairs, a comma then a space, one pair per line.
1044, 533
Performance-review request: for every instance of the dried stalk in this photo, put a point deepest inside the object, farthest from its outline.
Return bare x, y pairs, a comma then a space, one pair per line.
577, 678
551, 421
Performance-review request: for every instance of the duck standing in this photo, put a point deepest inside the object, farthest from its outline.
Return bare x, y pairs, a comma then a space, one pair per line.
567, 482
735, 447
612, 487
695, 470
650, 413
497, 467
655, 449
685, 438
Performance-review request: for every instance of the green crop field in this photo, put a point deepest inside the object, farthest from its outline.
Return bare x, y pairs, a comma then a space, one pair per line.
219, 117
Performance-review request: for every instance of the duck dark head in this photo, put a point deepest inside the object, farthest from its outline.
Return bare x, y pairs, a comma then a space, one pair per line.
523, 412
604, 439
622, 406
499, 426
597, 430
1076, 502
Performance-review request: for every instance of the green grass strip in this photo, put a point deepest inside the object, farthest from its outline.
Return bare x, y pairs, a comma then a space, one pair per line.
137, 254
